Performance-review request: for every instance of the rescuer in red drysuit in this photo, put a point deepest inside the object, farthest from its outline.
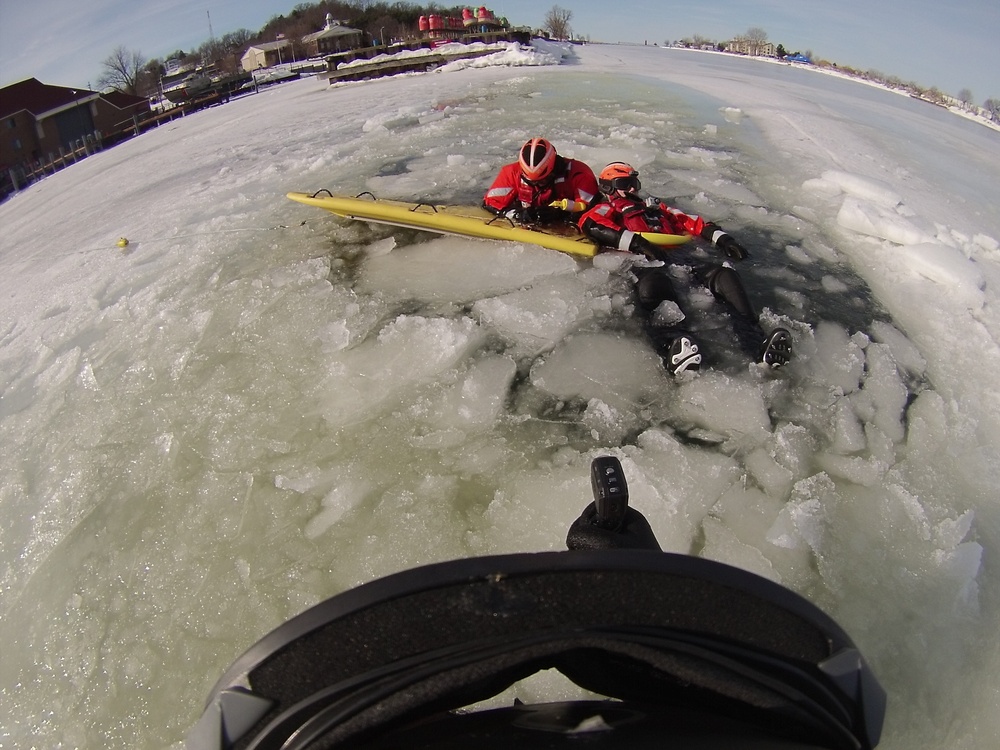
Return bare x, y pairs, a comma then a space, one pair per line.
624, 212
615, 222
524, 190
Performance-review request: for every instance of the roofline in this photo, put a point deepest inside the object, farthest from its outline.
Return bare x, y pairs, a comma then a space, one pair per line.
270, 46
332, 32
94, 95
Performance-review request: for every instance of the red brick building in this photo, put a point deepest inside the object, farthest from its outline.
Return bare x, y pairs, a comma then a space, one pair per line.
43, 125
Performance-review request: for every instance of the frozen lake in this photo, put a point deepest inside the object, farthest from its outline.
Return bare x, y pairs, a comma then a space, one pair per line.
255, 406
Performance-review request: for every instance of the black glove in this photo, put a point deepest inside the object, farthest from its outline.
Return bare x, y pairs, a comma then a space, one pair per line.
653, 214
520, 215
635, 532
642, 246
549, 215
531, 214
731, 247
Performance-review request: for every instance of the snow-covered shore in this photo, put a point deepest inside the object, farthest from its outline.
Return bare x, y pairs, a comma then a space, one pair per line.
833, 71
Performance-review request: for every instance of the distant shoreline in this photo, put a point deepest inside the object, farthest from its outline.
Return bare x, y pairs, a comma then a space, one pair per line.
831, 72
857, 79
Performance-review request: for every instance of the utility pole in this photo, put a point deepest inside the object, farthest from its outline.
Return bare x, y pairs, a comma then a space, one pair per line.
211, 36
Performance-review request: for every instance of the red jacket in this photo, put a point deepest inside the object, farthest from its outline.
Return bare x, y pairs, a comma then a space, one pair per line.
633, 214
574, 180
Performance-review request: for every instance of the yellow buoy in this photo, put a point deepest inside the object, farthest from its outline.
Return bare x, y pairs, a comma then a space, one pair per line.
122, 242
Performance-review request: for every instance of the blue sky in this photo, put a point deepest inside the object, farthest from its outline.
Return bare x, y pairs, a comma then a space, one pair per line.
951, 45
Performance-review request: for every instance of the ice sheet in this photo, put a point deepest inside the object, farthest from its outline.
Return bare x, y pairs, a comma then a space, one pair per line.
254, 406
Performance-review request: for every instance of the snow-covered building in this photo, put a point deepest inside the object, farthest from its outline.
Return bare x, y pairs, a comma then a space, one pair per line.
266, 55
333, 38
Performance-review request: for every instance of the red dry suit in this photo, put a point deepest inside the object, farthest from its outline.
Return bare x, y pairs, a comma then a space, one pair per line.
572, 180
632, 214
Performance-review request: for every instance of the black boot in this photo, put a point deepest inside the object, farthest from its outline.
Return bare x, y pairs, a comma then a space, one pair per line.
777, 348
725, 284
684, 356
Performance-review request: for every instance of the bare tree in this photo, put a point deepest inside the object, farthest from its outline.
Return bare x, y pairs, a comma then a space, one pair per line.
212, 51
121, 71
557, 22
237, 40
965, 96
756, 38
992, 106
148, 80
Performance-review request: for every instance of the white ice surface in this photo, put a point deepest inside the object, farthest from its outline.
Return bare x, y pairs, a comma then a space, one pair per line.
255, 406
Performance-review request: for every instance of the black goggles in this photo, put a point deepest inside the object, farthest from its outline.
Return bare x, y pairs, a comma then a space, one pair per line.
628, 184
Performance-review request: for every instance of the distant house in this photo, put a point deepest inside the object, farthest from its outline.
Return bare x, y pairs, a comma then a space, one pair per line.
266, 55
40, 122
332, 39
745, 46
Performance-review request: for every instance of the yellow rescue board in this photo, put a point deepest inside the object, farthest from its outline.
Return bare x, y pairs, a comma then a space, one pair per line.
466, 221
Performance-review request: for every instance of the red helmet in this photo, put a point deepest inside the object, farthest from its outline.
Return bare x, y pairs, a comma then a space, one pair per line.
619, 176
537, 159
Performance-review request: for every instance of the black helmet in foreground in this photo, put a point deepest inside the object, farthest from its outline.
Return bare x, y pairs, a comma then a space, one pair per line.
689, 653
